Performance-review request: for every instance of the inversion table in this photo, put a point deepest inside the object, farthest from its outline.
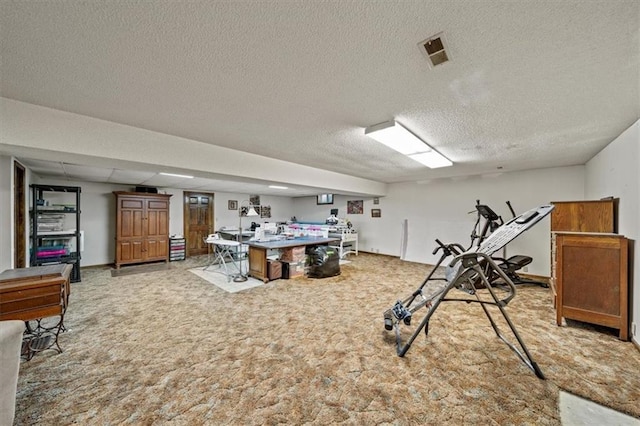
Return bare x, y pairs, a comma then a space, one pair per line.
469, 272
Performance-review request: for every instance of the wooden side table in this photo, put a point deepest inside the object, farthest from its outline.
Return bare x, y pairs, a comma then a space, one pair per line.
33, 294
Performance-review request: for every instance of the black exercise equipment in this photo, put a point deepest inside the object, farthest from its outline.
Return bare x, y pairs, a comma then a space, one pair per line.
511, 265
468, 271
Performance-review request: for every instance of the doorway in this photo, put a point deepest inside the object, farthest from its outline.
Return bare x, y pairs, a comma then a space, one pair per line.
198, 222
20, 219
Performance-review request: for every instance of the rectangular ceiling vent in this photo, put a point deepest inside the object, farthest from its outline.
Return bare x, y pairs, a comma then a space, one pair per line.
435, 49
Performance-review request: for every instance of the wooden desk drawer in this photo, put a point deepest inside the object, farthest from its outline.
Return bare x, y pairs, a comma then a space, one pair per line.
31, 303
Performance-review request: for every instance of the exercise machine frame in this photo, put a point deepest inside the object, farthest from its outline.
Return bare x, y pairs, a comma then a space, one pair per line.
469, 271
510, 265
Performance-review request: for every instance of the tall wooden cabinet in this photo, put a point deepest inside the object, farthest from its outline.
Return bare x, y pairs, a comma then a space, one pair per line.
142, 227
589, 265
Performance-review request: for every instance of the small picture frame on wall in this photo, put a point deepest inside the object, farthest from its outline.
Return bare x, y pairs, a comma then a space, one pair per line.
376, 200
232, 204
376, 213
355, 207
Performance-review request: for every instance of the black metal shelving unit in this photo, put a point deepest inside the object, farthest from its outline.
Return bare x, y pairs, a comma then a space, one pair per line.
53, 239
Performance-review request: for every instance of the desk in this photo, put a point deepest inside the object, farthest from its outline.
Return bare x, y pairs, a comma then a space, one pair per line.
258, 252
226, 254
32, 294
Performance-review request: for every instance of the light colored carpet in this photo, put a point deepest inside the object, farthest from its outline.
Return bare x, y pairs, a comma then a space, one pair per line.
221, 281
141, 269
167, 347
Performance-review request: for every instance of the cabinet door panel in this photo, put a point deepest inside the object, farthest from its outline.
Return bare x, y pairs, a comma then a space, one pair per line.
142, 227
158, 205
130, 251
130, 225
582, 266
157, 223
131, 203
157, 248
258, 263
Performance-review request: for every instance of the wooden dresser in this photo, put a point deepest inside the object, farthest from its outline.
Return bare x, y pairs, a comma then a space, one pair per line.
142, 227
589, 264
36, 295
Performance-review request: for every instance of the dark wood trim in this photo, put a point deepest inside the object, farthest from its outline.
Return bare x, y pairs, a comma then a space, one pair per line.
186, 215
20, 216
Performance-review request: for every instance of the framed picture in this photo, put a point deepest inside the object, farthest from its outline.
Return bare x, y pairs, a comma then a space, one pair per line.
254, 200
376, 200
324, 199
265, 211
354, 207
233, 204
376, 213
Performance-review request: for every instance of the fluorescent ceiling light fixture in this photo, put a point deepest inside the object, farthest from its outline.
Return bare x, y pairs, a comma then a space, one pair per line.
278, 187
431, 159
396, 137
175, 175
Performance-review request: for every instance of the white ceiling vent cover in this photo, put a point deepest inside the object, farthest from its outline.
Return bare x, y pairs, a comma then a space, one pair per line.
435, 48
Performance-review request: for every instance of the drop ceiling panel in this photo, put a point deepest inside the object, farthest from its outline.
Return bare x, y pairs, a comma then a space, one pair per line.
97, 173
42, 166
130, 176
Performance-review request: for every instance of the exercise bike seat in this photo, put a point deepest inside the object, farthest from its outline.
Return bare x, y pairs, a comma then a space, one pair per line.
516, 262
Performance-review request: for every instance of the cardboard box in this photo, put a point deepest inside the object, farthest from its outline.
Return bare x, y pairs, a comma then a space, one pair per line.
274, 269
292, 254
292, 269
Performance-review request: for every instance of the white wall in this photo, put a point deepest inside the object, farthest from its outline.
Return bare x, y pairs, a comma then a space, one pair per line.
439, 209
306, 209
6, 213
615, 171
176, 210
281, 209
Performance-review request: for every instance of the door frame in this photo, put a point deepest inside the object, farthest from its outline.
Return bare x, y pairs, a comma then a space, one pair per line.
186, 216
19, 216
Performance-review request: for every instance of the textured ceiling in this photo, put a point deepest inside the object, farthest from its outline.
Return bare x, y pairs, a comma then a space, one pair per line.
530, 84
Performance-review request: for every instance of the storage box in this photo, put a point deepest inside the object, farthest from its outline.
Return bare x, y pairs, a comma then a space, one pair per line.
292, 269
292, 254
274, 269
